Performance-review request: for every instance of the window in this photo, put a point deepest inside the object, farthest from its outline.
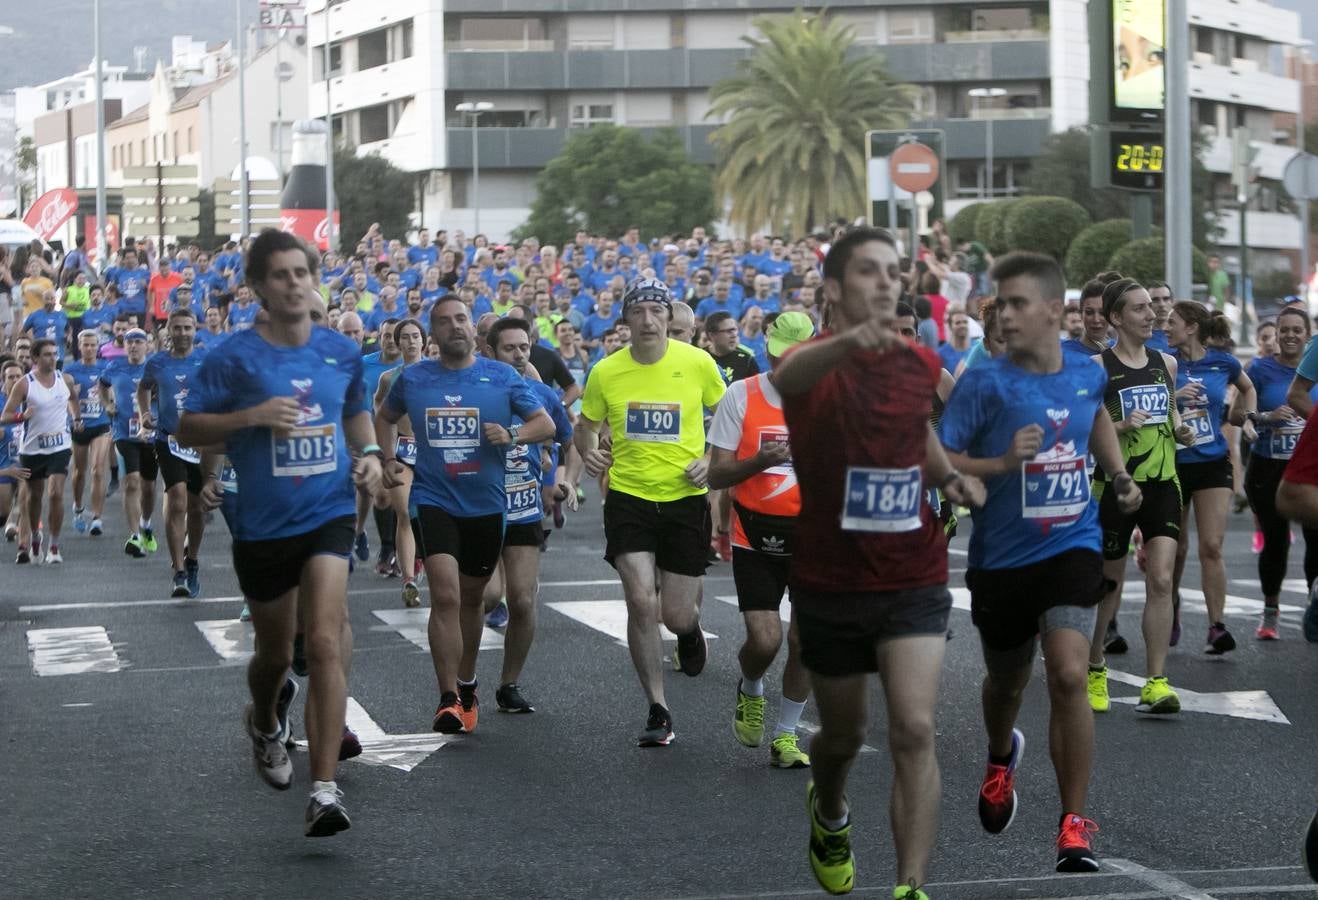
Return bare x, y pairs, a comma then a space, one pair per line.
114, 157
913, 26
591, 32
373, 123
372, 49
1001, 18
585, 115
176, 146
501, 34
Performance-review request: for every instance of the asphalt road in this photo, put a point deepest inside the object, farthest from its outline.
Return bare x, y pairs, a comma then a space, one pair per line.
138, 782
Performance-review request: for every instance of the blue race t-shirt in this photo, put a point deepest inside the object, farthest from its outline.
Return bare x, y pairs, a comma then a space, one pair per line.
1043, 507
429, 255
1215, 371
1272, 380
294, 482
207, 340
593, 328
707, 307
372, 369
1158, 341
951, 356
88, 380
94, 318
457, 469
172, 377
132, 288
242, 318
524, 475
49, 326
123, 377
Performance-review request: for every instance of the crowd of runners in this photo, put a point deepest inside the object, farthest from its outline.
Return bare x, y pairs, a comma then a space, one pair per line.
723, 400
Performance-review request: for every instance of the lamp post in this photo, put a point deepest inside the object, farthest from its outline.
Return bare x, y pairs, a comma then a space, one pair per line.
475, 110
987, 93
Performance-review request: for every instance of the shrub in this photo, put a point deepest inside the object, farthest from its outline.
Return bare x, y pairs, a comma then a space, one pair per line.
990, 225
1044, 225
1144, 261
961, 227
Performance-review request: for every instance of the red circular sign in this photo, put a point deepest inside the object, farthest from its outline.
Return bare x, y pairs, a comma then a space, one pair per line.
914, 167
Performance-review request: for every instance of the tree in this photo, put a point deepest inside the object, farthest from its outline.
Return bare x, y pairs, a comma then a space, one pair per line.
26, 161
607, 179
791, 151
371, 189
1144, 261
1044, 225
1092, 248
990, 225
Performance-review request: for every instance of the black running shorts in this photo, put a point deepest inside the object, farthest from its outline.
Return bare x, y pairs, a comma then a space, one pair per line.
840, 632
43, 465
474, 541
524, 534
139, 457
269, 569
760, 578
176, 471
676, 531
1158, 516
1204, 476
1009, 606
87, 435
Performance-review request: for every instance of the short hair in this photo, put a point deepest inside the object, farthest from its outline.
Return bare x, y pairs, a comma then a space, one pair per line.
903, 310
389, 323
1156, 283
269, 242
1092, 288
182, 312
1114, 295
835, 263
1045, 271
1296, 311
716, 319
506, 324
41, 344
924, 309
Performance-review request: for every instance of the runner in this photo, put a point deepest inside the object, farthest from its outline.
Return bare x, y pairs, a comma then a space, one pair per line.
12, 472
410, 340
1095, 339
518, 575
1025, 424
47, 398
167, 379
287, 401
374, 365
467, 404
871, 595
653, 395
1203, 376
91, 445
1138, 399
134, 444
752, 460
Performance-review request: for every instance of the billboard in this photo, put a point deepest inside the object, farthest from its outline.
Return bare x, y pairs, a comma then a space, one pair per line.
1138, 83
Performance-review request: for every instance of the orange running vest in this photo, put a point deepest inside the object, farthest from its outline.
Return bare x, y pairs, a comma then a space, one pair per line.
774, 491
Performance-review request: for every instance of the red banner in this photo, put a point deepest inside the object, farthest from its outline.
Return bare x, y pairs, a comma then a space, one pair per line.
309, 224
111, 234
51, 210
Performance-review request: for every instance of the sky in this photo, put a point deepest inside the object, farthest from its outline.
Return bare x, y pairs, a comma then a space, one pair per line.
1308, 10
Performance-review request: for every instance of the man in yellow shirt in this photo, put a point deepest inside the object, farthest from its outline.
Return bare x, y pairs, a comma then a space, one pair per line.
34, 287
653, 395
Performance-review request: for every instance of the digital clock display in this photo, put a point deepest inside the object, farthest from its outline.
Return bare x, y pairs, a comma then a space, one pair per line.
1137, 160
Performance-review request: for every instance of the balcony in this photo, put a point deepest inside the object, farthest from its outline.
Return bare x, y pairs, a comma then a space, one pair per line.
1210, 81
497, 46
990, 37
1251, 17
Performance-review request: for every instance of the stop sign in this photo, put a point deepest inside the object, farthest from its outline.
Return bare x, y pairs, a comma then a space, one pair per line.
914, 167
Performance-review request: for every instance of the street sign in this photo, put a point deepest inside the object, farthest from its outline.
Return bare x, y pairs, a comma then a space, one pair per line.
147, 212
1300, 177
914, 157
151, 191
151, 173
233, 186
914, 167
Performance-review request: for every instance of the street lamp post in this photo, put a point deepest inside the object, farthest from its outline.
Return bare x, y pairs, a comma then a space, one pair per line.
987, 93
475, 110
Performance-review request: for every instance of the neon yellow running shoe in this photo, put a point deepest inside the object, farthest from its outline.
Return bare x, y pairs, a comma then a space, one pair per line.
149, 543
1157, 698
1098, 696
830, 851
748, 720
784, 753
909, 891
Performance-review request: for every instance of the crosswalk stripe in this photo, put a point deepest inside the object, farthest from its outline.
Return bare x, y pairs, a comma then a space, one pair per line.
607, 617
231, 639
411, 624
72, 651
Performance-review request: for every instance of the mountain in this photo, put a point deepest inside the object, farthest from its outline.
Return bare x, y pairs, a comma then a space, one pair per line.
54, 38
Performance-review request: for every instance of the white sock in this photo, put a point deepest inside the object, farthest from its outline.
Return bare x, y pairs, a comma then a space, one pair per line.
144, 523
752, 688
789, 714
318, 786
832, 824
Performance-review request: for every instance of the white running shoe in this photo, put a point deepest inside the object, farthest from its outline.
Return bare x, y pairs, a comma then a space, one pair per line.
325, 814
53, 556
269, 756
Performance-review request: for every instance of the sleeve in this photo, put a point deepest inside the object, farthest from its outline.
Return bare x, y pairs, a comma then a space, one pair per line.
1235, 369
561, 376
964, 413
207, 391
106, 375
355, 399
523, 398
1309, 364
562, 424
593, 404
725, 430
396, 399
714, 388
1303, 467
149, 373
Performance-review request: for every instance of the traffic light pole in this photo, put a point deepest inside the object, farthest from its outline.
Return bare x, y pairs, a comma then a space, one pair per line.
1176, 205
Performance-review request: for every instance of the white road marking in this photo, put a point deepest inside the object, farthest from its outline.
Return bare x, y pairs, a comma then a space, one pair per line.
398, 751
412, 623
1255, 705
72, 651
1289, 585
608, 617
1167, 885
230, 638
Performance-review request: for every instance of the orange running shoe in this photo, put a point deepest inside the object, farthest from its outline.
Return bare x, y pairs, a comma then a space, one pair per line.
468, 706
1073, 851
448, 718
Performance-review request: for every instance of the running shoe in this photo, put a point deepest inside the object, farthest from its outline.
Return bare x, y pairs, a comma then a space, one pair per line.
193, 569
1113, 642
23, 558
724, 546
909, 891
691, 652
36, 548
658, 728
448, 718
1157, 698
1257, 545
350, 746
830, 851
1311, 617
300, 654
1239, 503
362, 546
1219, 640
269, 756
1267, 630
1074, 853
1099, 701
581, 495
79, 520
133, 547
508, 699
325, 814
1309, 851
395, 570
283, 702
497, 617
11, 533
411, 594
97, 528
469, 706
149, 543
1176, 621
180, 585
245, 615
748, 720
997, 795
786, 753
53, 556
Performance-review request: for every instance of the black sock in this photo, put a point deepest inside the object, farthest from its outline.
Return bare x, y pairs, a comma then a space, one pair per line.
1000, 760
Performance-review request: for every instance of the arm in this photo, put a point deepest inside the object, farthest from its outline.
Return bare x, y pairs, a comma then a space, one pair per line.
108, 399
805, 366
1297, 396
16, 398
1298, 502
536, 428
75, 409
144, 406
572, 395
198, 429
725, 470
1246, 401
368, 472
964, 489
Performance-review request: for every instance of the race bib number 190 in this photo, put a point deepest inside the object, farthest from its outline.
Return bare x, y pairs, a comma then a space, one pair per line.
310, 450
882, 500
654, 422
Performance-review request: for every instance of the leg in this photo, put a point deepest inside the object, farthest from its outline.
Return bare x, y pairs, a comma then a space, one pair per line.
1183, 544
324, 601
522, 566
444, 630
679, 598
55, 504
79, 472
196, 525
36, 492
1158, 603
275, 623
1114, 570
638, 587
1210, 510
132, 484
100, 462
1002, 692
403, 540
176, 520
1261, 480
494, 590
764, 635
796, 680
1071, 721
841, 702
471, 621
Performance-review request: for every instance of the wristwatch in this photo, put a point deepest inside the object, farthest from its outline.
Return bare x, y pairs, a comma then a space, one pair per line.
513, 430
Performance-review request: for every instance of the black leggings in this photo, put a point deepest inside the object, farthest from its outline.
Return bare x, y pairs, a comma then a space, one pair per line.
1261, 479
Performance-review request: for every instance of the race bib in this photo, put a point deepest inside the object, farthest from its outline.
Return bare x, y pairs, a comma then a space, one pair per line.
310, 450
90, 409
54, 440
454, 428
134, 426
882, 500
523, 498
654, 422
228, 477
1282, 442
405, 449
1055, 489
1199, 420
1149, 398
776, 437
187, 454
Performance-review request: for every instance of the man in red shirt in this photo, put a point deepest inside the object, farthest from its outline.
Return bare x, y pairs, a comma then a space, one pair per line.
158, 289
871, 595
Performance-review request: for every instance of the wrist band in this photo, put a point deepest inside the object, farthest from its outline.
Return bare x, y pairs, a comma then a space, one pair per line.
950, 477
371, 448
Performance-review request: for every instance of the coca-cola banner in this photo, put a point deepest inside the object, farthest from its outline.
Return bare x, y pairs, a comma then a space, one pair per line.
309, 224
111, 235
51, 210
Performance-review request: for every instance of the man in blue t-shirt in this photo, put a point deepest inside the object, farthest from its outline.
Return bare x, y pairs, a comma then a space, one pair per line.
463, 409
47, 323
1025, 425
594, 326
423, 251
285, 399
130, 279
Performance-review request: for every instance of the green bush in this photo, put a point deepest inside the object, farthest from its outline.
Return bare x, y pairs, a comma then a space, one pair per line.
961, 227
1144, 261
1044, 225
990, 225
1092, 248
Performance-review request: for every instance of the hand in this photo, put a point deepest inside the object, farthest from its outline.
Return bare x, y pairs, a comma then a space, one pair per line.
277, 414
146, 421
570, 501
1135, 420
211, 494
1184, 435
496, 434
1282, 413
392, 473
698, 472
774, 454
368, 473
965, 490
78, 425
18, 472
547, 463
1025, 444
597, 462
1191, 393
1129, 496
872, 334
606, 442
1249, 432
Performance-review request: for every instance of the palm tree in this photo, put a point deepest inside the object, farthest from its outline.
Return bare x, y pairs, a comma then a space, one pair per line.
792, 149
